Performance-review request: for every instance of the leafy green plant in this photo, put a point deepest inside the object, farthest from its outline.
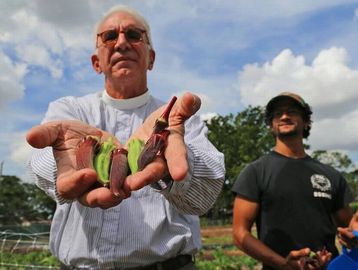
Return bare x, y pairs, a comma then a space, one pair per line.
28, 260
221, 261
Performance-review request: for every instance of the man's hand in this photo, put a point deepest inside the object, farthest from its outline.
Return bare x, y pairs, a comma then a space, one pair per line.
175, 161
346, 236
300, 260
64, 137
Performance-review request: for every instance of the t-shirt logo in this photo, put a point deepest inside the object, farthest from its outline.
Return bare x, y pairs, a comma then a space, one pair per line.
321, 186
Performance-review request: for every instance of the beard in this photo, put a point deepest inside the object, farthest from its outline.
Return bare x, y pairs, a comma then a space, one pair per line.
293, 132
287, 134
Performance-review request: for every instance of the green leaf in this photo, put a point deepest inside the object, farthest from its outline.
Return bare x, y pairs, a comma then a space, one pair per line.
135, 147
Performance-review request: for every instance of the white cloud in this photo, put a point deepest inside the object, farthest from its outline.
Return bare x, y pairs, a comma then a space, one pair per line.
35, 43
206, 101
208, 116
329, 85
39, 56
15, 154
11, 80
336, 133
19, 148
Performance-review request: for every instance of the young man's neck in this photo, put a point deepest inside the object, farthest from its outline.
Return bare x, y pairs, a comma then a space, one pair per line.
290, 147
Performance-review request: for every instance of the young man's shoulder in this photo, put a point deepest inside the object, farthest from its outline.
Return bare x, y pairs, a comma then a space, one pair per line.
325, 167
264, 159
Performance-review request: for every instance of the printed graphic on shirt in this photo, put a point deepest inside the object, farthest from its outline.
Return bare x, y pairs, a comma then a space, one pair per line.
321, 186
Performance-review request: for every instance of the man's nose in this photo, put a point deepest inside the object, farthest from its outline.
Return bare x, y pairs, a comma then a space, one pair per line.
122, 42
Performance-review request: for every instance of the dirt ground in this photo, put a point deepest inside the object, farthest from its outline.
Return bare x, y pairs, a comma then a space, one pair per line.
219, 231
216, 231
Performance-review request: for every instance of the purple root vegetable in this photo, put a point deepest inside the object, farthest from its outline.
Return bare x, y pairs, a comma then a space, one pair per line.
155, 145
119, 170
86, 152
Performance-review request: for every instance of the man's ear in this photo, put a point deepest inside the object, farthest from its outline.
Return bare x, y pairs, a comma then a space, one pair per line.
151, 59
95, 63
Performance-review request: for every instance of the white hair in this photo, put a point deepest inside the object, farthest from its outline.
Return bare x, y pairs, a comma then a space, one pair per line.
126, 9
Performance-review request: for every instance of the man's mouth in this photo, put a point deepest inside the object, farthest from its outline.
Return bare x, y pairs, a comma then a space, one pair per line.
116, 60
285, 124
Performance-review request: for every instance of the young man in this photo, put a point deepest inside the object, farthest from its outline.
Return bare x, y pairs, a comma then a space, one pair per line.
145, 226
296, 201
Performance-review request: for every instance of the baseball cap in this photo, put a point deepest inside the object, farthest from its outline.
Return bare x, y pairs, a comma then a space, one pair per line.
286, 95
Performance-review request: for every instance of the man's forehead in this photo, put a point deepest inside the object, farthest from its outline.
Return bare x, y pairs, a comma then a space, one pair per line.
120, 18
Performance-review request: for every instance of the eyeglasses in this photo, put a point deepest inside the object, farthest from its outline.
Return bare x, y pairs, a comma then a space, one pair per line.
110, 37
289, 112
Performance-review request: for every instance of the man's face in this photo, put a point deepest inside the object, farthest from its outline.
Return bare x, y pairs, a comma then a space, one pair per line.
287, 119
124, 58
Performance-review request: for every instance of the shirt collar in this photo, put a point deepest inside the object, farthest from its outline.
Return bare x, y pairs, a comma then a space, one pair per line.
125, 104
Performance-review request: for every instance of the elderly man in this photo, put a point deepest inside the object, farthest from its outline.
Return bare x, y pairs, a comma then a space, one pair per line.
145, 225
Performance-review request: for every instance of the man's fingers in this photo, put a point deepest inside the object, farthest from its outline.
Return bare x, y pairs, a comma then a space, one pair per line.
58, 132
176, 157
100, 197
189, 105
42, 135
183, 109
347, 238
80, 185
324, 256
153, 172
175, 152
296, 254
73, 184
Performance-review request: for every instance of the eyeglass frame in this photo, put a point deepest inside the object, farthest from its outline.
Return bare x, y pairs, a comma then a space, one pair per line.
142, 31
288, 111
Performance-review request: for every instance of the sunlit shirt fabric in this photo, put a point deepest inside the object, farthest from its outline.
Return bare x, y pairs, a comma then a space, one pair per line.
149, 226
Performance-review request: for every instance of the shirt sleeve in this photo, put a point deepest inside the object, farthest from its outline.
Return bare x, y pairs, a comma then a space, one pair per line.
344, 195
197, 193
246, 184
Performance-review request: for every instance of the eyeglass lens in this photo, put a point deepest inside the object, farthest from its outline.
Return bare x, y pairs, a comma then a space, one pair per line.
289, 112
132, 35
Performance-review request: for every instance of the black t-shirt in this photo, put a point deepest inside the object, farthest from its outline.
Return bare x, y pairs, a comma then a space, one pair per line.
297, 198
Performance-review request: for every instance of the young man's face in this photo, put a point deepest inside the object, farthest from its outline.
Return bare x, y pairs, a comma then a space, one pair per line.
287, 119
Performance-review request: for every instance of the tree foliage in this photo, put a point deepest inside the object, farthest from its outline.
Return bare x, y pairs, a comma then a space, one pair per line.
242, 138
21, 201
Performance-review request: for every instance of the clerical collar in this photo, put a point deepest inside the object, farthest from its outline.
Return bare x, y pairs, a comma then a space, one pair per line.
125, 104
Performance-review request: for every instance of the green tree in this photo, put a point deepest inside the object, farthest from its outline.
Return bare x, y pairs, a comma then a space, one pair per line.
13, 197
42, 205
242, 138
21, 201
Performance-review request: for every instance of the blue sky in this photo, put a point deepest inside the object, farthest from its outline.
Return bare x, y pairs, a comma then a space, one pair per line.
231, 53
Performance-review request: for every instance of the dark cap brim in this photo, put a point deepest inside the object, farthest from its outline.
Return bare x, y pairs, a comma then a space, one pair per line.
285, 96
